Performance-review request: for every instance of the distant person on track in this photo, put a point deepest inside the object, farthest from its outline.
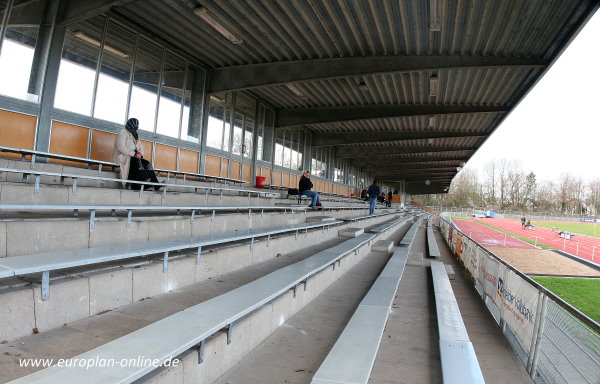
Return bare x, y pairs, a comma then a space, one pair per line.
373, 192
523, 222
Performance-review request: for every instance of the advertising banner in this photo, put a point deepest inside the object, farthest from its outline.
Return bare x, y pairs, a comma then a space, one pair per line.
488, 277
458, 246
518, 306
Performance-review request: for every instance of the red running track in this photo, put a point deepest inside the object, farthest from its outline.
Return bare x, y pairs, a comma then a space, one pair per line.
489, 237
584, 247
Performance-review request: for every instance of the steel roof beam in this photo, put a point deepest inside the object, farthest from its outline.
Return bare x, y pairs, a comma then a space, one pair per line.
266, 74
358, 162
305, 116
345, 153
77, 10
329, 139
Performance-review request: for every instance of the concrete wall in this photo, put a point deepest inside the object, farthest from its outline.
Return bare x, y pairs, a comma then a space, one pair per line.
82, 294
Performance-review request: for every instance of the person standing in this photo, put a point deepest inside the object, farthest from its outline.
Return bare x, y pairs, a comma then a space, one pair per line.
373, 191
304, 189
389, 198
523, 222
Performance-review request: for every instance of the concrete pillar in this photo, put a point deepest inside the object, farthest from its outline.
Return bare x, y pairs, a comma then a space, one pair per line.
53, 52
199, 113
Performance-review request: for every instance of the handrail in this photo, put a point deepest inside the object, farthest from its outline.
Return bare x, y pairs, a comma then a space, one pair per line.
100, 163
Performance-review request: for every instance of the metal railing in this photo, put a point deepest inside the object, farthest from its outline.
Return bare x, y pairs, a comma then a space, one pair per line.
556, 342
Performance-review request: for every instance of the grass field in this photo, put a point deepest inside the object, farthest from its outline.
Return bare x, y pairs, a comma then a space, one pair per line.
580, 293
587, 229
516, 236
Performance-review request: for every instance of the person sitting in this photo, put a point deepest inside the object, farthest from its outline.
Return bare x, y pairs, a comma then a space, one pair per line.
128, 152
363, 194
304, 189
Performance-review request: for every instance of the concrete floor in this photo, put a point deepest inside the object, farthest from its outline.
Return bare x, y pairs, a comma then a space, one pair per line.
409, 351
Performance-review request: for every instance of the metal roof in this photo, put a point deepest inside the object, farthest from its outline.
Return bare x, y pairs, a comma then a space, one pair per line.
366, 68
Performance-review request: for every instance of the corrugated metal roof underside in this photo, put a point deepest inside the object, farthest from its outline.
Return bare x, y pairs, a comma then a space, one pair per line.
285, 31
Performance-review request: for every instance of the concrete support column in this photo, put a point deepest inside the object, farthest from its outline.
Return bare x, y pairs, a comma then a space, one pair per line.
307, 155
199, 112
53, 38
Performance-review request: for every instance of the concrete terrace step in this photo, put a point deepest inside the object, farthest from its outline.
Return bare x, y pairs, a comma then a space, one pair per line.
177, 333
85, 291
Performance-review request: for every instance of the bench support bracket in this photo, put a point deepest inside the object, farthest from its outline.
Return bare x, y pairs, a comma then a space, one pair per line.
201, 352
166, 262
45, 285
198, 254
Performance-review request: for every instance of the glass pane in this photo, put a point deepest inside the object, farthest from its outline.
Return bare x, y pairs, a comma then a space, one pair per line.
17, 59
171, 96
259, 148
287, 156
214, 134
227, 128
145, 83
113, 82
237, 134
77, 73
278, 153
248, 137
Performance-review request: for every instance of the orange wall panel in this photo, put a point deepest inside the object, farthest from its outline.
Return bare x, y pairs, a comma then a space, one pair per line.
212, 165
17, 131
276, 178
247, 173
235, 169
68, 139
188, 161
165, 157
148, 150
103, 144
224, 167
266, 172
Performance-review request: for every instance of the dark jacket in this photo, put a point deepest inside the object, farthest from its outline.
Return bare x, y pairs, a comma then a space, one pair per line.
374, 191
304, 185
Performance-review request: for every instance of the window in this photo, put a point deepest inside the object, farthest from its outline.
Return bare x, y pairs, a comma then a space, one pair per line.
17, 50
171, 95
115, 72
278, 153
237, 134
146, 77
77, 72
216, 123
95, 79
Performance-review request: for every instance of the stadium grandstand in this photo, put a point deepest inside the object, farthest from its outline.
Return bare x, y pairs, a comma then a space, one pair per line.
219, 272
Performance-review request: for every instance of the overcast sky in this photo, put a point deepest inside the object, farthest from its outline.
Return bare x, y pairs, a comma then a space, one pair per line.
556, 128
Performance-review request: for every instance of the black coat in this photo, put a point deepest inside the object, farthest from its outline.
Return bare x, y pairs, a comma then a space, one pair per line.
304, 185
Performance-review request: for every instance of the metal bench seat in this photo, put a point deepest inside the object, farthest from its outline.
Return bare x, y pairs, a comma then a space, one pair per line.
384, 227
142, 184
352, 357
432, 246
409, 236
459, 362
187, 329
362, 217
52, 261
